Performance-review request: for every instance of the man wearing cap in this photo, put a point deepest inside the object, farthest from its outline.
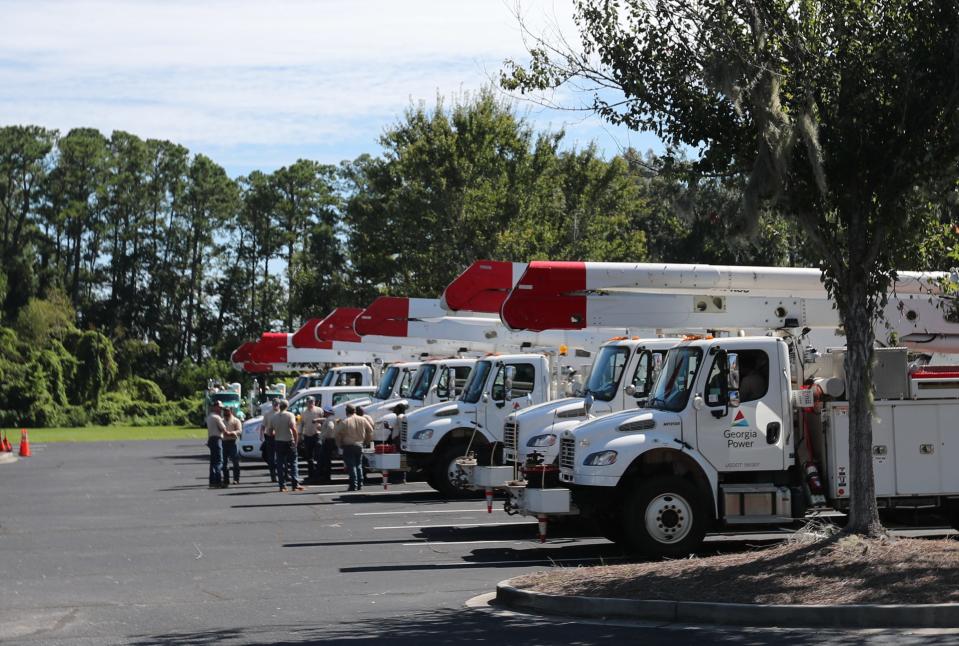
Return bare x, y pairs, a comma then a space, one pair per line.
327, 444
232, 432
308, 431
268, 446
283, 424
214, 441
351, 434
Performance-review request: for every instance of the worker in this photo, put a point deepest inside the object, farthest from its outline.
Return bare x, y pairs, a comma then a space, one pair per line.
327, 446
214, 441
285, 435
308, 432
363, 463
396, 477
268, 442
233, 431
351, 434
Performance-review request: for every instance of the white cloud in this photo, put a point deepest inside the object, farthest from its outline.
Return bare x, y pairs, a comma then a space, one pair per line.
228, 74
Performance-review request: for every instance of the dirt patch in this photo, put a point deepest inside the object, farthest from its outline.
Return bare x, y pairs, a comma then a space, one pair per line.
836, 570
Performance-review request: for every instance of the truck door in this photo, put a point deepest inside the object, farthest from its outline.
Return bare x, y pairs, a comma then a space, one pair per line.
524, 383
642, 381
444, 387
752, 435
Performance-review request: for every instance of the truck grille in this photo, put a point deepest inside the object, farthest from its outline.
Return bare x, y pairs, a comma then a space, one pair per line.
403, 430
567, 453
510, 435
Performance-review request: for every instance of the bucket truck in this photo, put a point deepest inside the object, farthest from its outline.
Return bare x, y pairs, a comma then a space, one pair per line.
435, 438
748, 431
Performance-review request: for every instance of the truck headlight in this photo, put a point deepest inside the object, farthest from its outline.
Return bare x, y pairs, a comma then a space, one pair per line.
547, 439
423, 435
601, 459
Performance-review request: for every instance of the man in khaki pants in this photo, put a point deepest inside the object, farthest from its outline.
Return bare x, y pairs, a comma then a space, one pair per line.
351, 434
283, 424
308, 432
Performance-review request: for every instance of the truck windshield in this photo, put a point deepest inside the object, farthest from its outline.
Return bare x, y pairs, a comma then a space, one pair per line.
226, 398
607, 371
423, 382
328, 377
675, 382
386, 383
476, 381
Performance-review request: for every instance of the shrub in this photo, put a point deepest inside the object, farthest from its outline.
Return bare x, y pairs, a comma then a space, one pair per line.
142, 389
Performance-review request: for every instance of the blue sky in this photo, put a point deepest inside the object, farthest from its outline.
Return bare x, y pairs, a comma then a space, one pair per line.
257, 85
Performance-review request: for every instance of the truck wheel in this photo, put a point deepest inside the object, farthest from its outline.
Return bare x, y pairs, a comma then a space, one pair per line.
665, 517
443, 472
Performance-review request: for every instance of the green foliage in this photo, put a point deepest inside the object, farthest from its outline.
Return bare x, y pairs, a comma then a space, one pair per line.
96, 367
41, 320
144, 390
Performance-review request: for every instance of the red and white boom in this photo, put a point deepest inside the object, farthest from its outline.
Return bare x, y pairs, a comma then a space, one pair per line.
339, 327
565, 295
482, 287
424, 318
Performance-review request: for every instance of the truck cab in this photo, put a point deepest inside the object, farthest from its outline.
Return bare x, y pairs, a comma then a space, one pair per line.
719, 415
389, 387
434, 437
433, 382
229, 396
620, 378
348, 376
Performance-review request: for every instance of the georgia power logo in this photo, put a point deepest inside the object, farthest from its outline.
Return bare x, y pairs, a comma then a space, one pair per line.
740, 435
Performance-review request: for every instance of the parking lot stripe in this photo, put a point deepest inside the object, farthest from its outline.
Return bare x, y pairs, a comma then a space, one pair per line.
424, 511
530, 522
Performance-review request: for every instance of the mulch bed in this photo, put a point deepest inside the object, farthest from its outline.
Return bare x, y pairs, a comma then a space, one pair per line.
833, 570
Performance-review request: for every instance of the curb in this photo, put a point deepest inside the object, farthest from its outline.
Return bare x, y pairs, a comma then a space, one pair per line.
942, 615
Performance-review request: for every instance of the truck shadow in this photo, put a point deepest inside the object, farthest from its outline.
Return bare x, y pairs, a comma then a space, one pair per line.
465, 626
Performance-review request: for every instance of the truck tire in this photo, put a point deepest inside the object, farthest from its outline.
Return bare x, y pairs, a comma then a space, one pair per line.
440, 477
665, 516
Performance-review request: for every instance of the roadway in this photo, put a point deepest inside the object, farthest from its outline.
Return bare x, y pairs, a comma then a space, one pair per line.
124, 543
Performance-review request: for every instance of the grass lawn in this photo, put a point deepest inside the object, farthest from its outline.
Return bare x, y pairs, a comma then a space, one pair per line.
107, 433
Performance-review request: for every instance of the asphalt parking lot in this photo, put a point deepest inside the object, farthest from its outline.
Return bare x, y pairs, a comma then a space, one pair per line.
124, 543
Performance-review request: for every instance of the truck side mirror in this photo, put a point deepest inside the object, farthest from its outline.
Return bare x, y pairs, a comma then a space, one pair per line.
732, 379
588, 402
630, 390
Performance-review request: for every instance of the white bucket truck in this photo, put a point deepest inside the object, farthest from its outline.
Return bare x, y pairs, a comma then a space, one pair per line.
620, 378
435, 438
738, 430
432, 382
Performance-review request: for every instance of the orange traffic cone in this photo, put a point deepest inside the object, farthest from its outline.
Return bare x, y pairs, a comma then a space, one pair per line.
5, 446
24, 444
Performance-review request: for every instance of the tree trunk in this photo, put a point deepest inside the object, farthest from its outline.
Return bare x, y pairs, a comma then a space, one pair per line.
860, 336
